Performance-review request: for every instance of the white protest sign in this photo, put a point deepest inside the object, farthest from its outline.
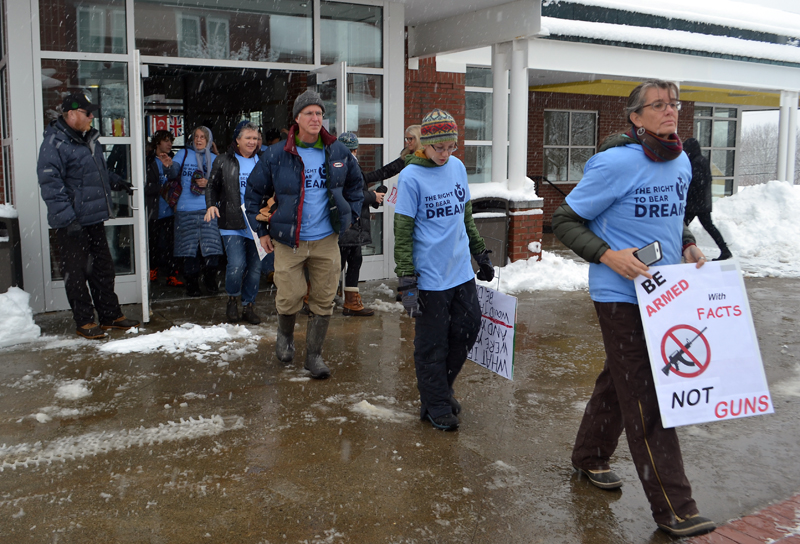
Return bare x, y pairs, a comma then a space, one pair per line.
261, 251
494, 348
702, 344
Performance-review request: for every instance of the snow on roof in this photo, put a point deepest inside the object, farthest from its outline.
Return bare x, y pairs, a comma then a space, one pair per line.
676, 39
728, 13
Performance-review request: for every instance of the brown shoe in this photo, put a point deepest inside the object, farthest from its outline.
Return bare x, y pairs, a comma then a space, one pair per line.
353, 305
121, 323
92, 331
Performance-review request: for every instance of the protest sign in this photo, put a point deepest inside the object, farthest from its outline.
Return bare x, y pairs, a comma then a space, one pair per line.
702, 344
494, 348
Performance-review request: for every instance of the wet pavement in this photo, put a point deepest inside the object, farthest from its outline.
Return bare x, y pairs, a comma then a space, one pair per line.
222, 443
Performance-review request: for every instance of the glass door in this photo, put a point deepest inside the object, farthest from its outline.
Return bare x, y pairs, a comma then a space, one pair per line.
331, 84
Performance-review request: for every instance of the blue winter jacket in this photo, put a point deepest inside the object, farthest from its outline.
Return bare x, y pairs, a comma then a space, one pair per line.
74, 178
280, 172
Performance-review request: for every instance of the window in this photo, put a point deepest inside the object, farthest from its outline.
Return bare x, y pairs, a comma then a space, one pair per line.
90, 26
478, 125
248, 30
352, 33
570, 138
716, 128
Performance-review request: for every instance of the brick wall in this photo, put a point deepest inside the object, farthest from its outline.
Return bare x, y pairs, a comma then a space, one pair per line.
525, 226
610, 120
427, 89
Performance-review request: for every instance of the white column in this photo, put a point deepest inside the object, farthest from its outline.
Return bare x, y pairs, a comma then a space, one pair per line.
791, 133
518, 116
500, 112
783, 135
26, 122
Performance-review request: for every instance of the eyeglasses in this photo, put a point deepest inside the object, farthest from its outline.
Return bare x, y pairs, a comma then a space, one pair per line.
409, 138
443, 149
661, 106
86, 113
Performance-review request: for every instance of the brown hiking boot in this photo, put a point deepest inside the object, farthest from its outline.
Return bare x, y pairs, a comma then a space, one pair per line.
92, 331
353, 305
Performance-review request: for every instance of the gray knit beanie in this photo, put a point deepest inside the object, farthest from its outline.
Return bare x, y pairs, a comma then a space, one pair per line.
308, 98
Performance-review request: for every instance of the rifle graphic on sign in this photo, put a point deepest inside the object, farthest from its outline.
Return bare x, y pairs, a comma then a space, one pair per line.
677, 356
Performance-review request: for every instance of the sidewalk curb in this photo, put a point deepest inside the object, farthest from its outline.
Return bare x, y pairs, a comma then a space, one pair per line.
776, 524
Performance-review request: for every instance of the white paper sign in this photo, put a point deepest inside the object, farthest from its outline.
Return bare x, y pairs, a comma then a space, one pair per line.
261, 251
702, 344
494, 348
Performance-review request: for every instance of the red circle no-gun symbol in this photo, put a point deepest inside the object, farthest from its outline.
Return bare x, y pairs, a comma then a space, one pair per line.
687, 352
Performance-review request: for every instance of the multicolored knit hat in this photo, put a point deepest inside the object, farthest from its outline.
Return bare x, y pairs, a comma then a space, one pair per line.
349, 139
438, 127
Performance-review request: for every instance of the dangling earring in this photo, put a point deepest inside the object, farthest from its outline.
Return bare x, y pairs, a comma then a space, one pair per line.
640, 131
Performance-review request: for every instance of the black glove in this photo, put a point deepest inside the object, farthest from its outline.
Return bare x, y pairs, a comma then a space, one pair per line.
381, 189
486, 272
125, 186
74, 229
407, 285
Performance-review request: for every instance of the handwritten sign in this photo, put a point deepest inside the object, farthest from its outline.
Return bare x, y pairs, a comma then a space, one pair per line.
702, 344
494, 348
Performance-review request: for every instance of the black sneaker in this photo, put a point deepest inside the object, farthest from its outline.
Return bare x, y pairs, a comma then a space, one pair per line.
249, 314
92, 331
604, 479
447, 422
691, 526
121, 323
232, 310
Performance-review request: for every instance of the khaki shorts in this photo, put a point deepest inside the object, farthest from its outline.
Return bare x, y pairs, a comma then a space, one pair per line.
322, 259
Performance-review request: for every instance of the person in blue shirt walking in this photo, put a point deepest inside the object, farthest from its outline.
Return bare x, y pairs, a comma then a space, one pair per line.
224, 198
316, 183
196, 240
434, 236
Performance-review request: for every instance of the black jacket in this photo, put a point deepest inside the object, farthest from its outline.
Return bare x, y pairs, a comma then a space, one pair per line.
360, 233
152, 183
74, 178
698, 198
224, 193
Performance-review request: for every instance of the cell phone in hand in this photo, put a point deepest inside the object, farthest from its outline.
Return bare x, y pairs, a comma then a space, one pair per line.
649, 254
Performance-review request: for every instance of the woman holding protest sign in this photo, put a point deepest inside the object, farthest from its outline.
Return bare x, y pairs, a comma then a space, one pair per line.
434, 236
604, 220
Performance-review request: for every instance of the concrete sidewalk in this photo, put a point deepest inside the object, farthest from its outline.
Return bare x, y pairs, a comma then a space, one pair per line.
221, 443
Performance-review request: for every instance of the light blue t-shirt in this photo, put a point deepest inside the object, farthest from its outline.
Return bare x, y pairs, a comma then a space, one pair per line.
315, 223
163, 208
189, 202
631, 201
245, 167
435, 197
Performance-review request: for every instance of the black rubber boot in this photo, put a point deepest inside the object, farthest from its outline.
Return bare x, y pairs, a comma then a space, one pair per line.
315, 336
284, 344
210, 280
232, 310
249, 314
193, 286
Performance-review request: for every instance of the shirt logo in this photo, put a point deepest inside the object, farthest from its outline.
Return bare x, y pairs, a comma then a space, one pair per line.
337, 164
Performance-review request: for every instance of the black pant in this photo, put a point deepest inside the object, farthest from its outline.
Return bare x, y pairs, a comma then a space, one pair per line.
705, 220
86, 258
161, 233
444, 334
351, 256
624, 396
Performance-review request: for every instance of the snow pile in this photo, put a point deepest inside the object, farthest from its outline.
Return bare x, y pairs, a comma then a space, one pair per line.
501, 190
372, 411
178, 339
73, 390
551, 273
94, 443
8, 211
16, 319
760, 226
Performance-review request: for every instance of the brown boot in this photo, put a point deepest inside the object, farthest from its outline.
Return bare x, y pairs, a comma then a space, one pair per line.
353, 305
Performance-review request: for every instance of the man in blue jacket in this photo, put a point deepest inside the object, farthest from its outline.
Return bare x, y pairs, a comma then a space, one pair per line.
76, 186
316, 184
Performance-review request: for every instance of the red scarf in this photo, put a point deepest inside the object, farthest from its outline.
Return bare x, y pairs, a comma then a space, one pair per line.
656, 148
